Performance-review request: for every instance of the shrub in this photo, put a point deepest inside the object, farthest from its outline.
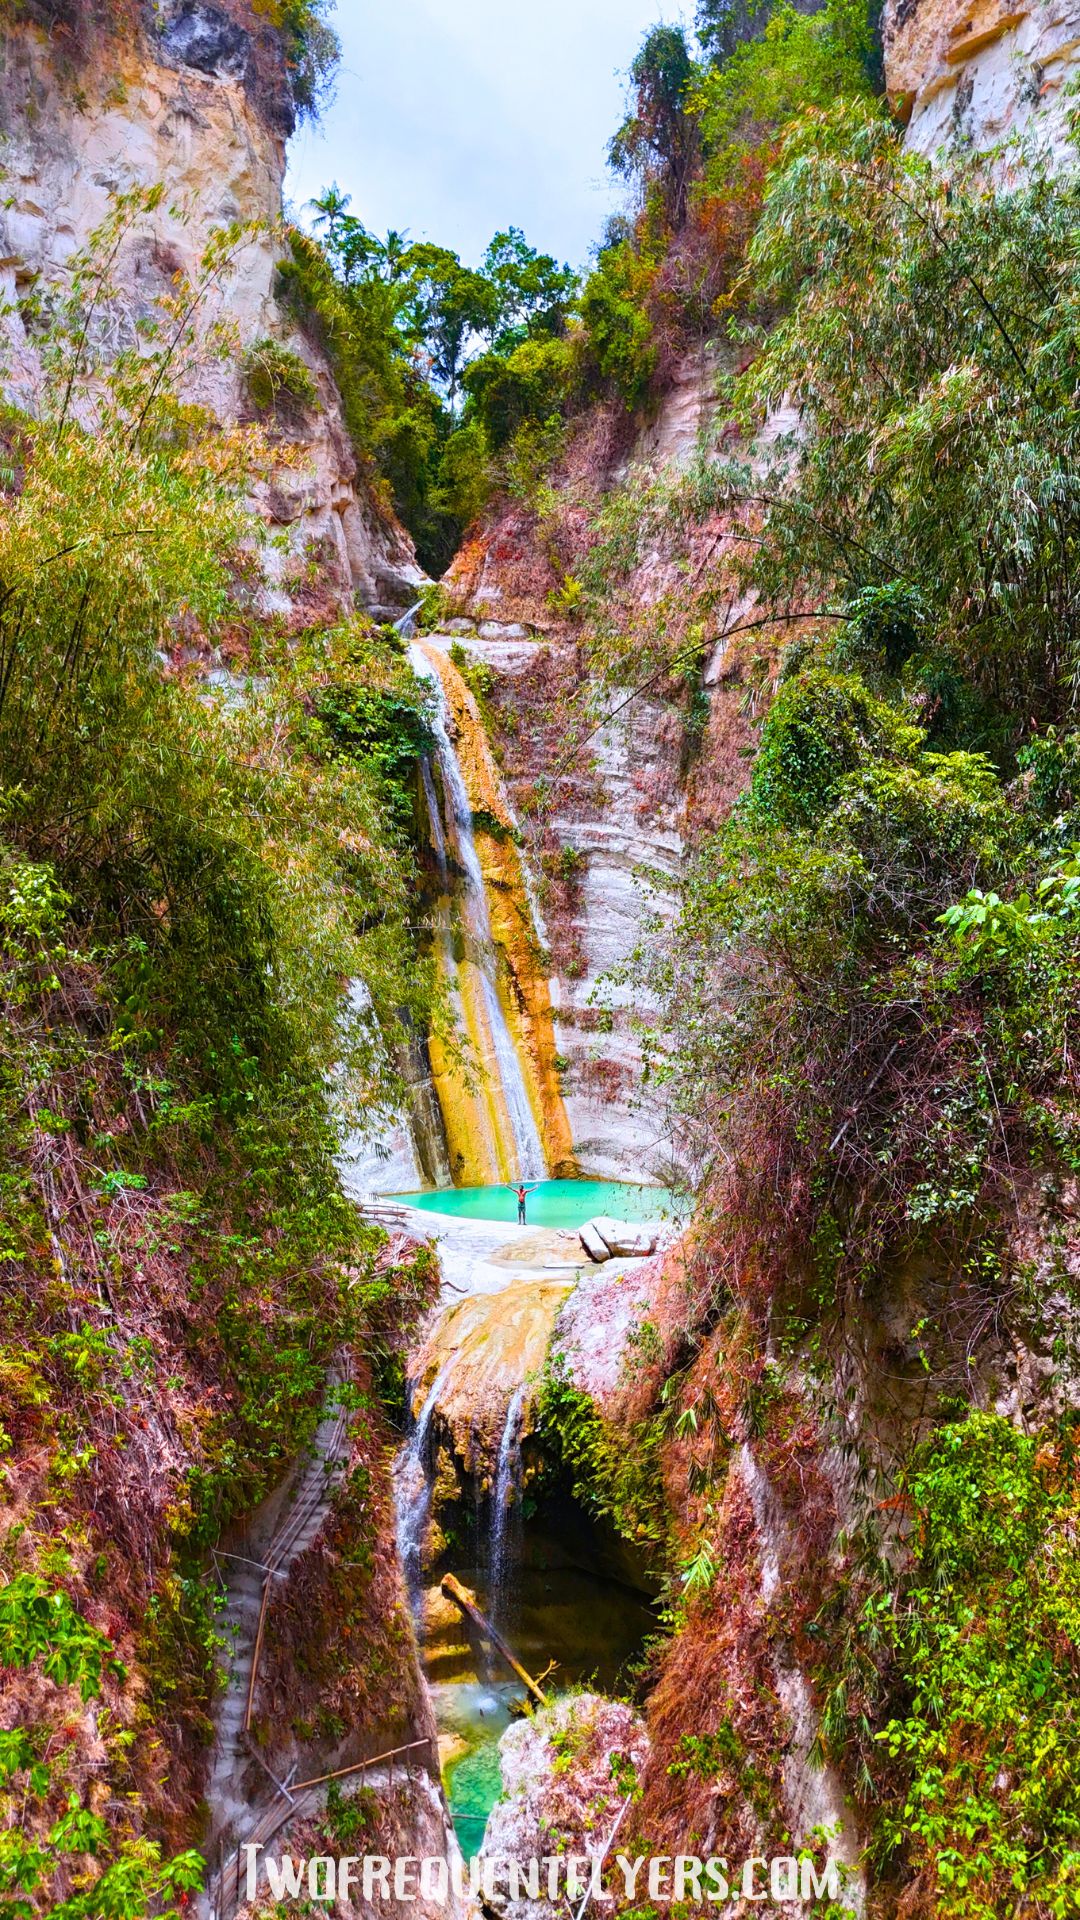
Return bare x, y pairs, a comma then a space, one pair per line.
621, 345
528, 385
277, 379
39, 1625
988, 1639
821, 727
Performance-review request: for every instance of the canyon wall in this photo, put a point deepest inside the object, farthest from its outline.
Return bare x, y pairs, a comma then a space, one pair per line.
976, 74
196, 100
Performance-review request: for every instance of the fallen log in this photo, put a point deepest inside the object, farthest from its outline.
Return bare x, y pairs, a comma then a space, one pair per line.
462, 1598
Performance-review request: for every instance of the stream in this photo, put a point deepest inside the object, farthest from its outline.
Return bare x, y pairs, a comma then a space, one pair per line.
559, 1609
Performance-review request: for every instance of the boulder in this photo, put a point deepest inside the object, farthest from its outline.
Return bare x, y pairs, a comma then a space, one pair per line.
594, 1243
622, 1237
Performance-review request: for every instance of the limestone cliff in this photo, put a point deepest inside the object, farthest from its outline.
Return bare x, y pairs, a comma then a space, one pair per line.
975, 72
196, 99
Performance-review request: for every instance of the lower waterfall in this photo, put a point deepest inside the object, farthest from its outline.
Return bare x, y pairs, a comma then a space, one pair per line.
412, 1489
472, 1500
507, 1486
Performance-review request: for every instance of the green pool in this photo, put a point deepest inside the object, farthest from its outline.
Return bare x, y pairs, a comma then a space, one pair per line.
590, 1625
554, 1203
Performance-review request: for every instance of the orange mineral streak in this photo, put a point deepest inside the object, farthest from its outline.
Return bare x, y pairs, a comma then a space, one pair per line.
478, 1129
495, 1340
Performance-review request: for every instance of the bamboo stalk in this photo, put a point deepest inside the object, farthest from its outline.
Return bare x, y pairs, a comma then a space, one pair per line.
359, 1766
255, 1654
462, 1598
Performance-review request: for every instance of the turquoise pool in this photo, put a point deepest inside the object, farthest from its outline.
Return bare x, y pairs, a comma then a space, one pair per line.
554, 1203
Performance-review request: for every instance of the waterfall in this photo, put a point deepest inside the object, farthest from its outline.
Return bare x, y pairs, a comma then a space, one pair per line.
499, 1060
412, 1489
507, 1479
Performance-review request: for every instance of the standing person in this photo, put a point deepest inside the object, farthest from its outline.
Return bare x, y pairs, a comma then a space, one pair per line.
523, 1190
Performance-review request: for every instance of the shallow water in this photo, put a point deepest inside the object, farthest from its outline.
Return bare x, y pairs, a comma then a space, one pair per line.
588, 1623
554, 1203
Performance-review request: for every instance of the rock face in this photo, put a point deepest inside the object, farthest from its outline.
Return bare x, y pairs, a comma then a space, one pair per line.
974, 74
197, 103
488, 955
566, 1773
480, 1352
620, 828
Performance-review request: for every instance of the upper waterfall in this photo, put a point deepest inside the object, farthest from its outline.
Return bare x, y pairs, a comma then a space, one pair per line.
506, 1141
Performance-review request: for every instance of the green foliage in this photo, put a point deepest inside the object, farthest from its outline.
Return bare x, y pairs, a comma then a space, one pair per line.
533, 294
527, 385
1051, 762
386, 729
187, 882
619, 330
466, 474
927, 339
789, 61
134, 1881
876, 970
359, 315
614, 1479
450, 303
884, 627
822, 1020
403, 326
312, 50
988, 1637
658, 140
37, 1624
706, 1755
350, 1817
477, 675
821, 727
278, 380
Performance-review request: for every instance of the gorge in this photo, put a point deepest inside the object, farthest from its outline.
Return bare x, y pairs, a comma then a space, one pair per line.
613, 735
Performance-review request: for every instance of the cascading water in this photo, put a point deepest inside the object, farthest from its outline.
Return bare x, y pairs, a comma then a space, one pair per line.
412, 1489
507, 1483
523, 1156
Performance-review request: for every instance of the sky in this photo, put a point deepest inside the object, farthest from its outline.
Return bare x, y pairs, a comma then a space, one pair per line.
455, 119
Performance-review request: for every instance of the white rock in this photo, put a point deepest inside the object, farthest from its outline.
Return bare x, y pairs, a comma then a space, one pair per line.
595, 1246
503, 630
620, 1236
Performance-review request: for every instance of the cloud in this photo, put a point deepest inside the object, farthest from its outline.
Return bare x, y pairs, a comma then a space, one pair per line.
455, 120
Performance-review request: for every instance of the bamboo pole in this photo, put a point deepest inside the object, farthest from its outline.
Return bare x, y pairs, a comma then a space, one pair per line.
257, 1650
462, 1598
361, 1766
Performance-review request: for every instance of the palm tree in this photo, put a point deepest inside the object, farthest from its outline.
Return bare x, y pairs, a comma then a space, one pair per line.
393, 253
330, 210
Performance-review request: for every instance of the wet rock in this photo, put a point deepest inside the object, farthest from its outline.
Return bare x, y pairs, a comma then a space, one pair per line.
486, 1346
554, 1247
